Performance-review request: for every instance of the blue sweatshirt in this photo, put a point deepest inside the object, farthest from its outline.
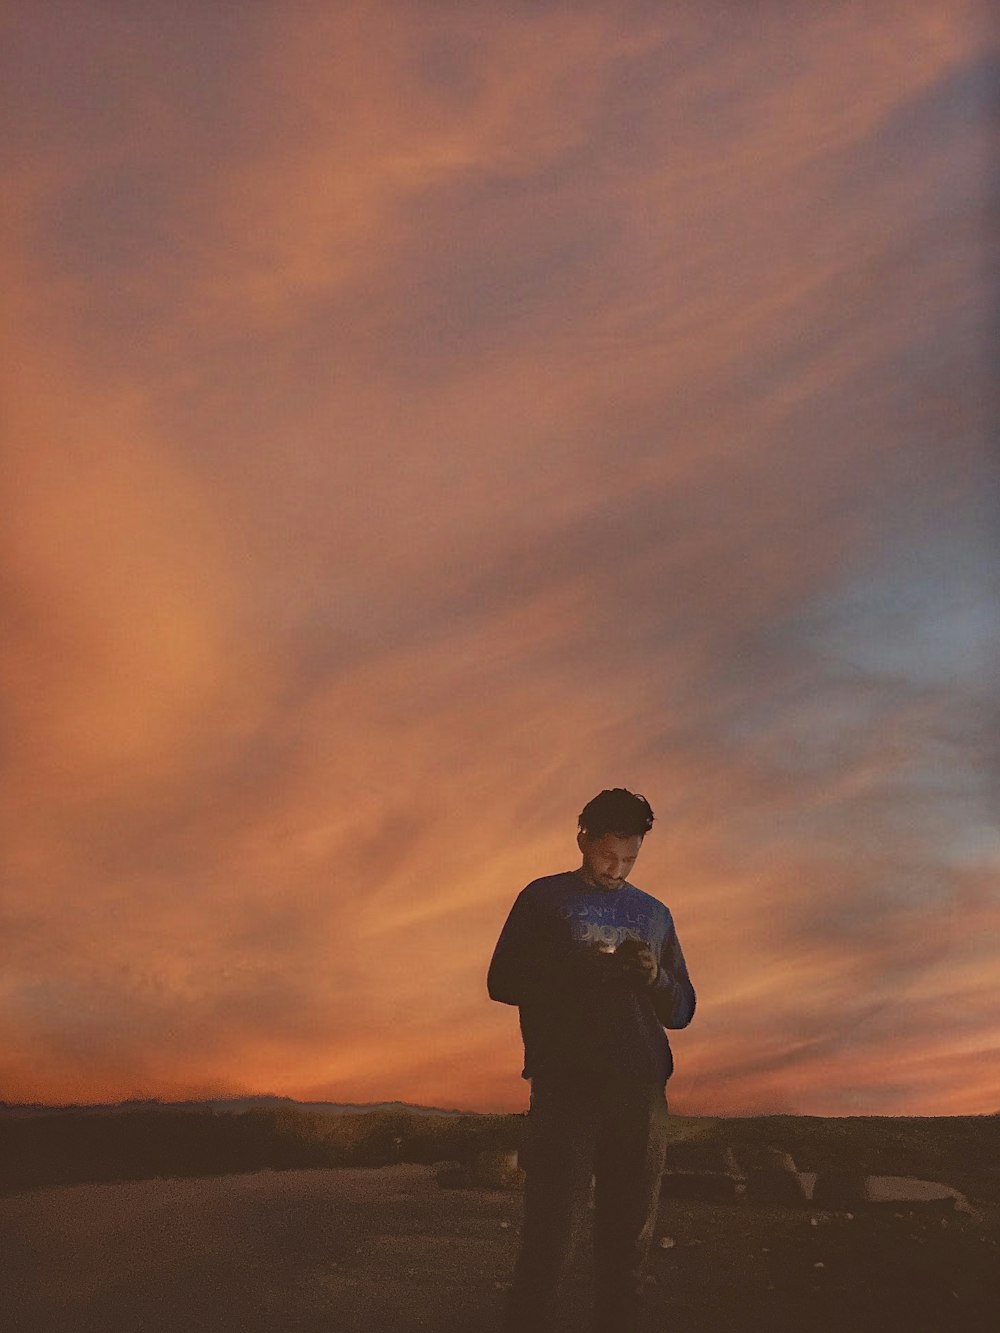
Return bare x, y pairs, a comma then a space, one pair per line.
577, 1014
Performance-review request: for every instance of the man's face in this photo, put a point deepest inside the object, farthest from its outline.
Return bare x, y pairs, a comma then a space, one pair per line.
608, 860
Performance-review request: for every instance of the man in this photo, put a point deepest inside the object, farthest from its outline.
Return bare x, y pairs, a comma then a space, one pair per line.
597, 973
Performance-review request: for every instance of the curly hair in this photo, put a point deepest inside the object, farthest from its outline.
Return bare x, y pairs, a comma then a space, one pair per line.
616, 810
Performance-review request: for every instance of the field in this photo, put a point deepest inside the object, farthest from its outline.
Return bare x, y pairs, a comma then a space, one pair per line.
382, 1247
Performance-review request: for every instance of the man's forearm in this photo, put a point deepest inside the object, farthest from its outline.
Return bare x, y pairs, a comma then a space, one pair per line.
673, 999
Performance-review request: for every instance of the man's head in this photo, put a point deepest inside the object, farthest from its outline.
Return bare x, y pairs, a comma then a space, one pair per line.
612, 827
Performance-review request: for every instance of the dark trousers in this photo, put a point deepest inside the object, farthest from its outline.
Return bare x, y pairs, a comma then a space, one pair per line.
579, 1127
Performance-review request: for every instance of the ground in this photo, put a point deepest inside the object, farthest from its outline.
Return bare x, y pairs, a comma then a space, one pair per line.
386, 1251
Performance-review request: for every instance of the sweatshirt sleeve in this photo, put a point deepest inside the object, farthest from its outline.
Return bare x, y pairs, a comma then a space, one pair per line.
515, 972
672, 992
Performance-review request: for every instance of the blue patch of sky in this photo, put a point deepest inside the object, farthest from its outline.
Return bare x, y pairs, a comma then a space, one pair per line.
930, 616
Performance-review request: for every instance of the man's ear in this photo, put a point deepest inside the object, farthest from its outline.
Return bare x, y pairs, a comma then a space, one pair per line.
581, 839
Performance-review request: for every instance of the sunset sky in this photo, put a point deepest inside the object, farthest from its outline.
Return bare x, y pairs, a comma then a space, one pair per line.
422, 415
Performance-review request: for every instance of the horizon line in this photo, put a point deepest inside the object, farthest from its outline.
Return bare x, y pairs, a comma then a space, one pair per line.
420, 1106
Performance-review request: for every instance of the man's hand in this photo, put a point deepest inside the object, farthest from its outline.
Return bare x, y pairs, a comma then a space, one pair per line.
637, 961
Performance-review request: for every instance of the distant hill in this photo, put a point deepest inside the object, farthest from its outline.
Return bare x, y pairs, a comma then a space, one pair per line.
43, 1146
231, 1105
134, 1140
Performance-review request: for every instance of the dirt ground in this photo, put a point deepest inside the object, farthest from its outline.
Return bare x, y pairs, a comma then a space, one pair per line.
387, 1251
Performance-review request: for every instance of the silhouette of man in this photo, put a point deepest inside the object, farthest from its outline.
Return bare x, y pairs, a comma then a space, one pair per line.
597, 973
